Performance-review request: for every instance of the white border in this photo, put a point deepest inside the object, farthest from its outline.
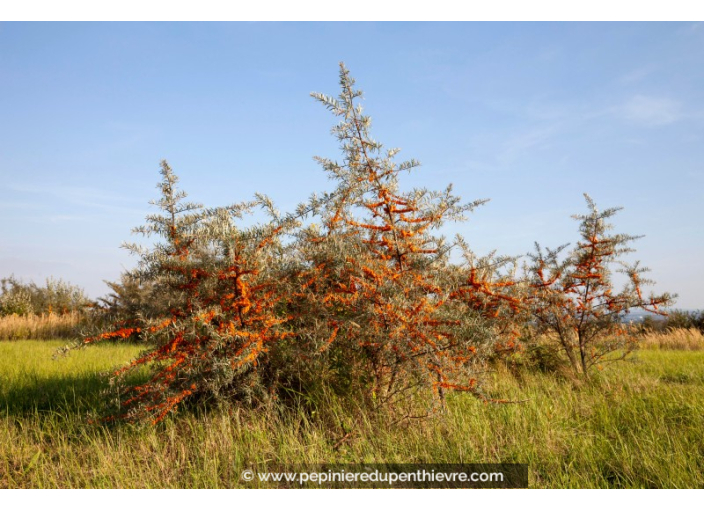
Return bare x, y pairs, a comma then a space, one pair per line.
352, 499
359, 10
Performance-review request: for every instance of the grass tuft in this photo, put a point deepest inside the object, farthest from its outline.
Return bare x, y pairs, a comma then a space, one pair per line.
677, 339
40, 327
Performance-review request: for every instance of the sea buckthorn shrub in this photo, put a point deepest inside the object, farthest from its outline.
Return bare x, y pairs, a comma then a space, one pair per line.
379, 305
355, 293
572, 300
222, 318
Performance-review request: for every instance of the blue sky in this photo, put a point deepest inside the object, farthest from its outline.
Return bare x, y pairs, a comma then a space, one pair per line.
530, 115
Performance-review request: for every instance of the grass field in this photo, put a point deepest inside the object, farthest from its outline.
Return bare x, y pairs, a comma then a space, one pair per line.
638, 424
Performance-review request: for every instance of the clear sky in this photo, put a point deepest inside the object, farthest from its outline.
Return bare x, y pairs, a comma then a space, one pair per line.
530, 115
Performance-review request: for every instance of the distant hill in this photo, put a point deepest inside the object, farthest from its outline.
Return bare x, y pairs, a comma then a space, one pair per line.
639, 315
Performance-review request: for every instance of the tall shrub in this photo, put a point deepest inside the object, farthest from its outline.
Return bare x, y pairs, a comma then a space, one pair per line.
376, 288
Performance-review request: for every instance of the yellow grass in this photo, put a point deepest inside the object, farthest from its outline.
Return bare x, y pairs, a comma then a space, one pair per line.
675, 339
40, 327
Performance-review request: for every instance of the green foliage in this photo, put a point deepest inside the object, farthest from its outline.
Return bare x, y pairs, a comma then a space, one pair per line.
676, 319
56, 296
133, 303
131, 298
15, 298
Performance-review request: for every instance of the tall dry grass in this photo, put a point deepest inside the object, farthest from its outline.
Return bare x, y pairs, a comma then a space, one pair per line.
41, 327
675, 339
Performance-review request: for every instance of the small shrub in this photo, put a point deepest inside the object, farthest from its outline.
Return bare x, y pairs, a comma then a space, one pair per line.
574, 299
223, 296
16, 302
56, 296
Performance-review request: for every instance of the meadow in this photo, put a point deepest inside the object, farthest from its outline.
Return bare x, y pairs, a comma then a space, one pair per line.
636, 424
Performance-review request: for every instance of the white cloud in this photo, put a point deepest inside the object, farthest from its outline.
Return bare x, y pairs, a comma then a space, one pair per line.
637, 75
536, 138
652, 111
92, 198
691, 28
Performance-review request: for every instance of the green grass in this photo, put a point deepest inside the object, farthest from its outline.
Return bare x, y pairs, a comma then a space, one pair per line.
637, 424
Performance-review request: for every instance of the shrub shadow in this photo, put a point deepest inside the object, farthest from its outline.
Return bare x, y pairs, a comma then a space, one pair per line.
66, 394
